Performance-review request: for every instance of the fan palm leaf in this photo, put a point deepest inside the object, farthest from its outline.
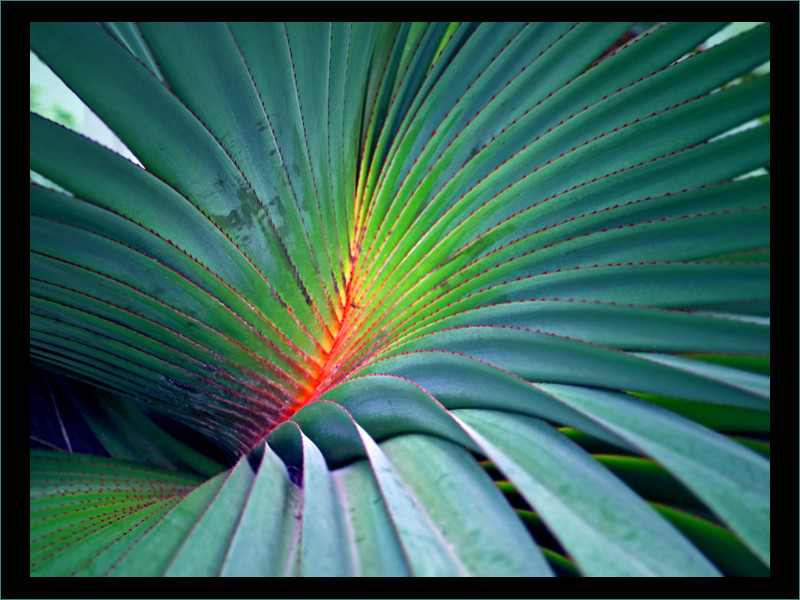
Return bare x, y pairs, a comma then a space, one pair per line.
455, 299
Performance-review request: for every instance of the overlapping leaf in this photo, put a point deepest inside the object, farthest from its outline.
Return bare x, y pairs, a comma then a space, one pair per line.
393, 250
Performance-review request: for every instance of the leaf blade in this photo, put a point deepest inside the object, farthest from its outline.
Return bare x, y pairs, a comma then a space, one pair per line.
604, 536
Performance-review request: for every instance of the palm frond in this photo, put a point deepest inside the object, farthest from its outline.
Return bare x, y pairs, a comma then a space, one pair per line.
457, 298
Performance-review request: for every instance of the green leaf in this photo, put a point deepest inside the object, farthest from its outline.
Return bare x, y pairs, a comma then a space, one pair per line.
451, 298
731, 480
204, 548
87, 512
152, 555
604, 526
422, 482
716, 542
466, 510
272, 504
539, 356
376, 549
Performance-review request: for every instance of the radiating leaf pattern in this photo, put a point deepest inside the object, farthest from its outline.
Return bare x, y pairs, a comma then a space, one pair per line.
457, 298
